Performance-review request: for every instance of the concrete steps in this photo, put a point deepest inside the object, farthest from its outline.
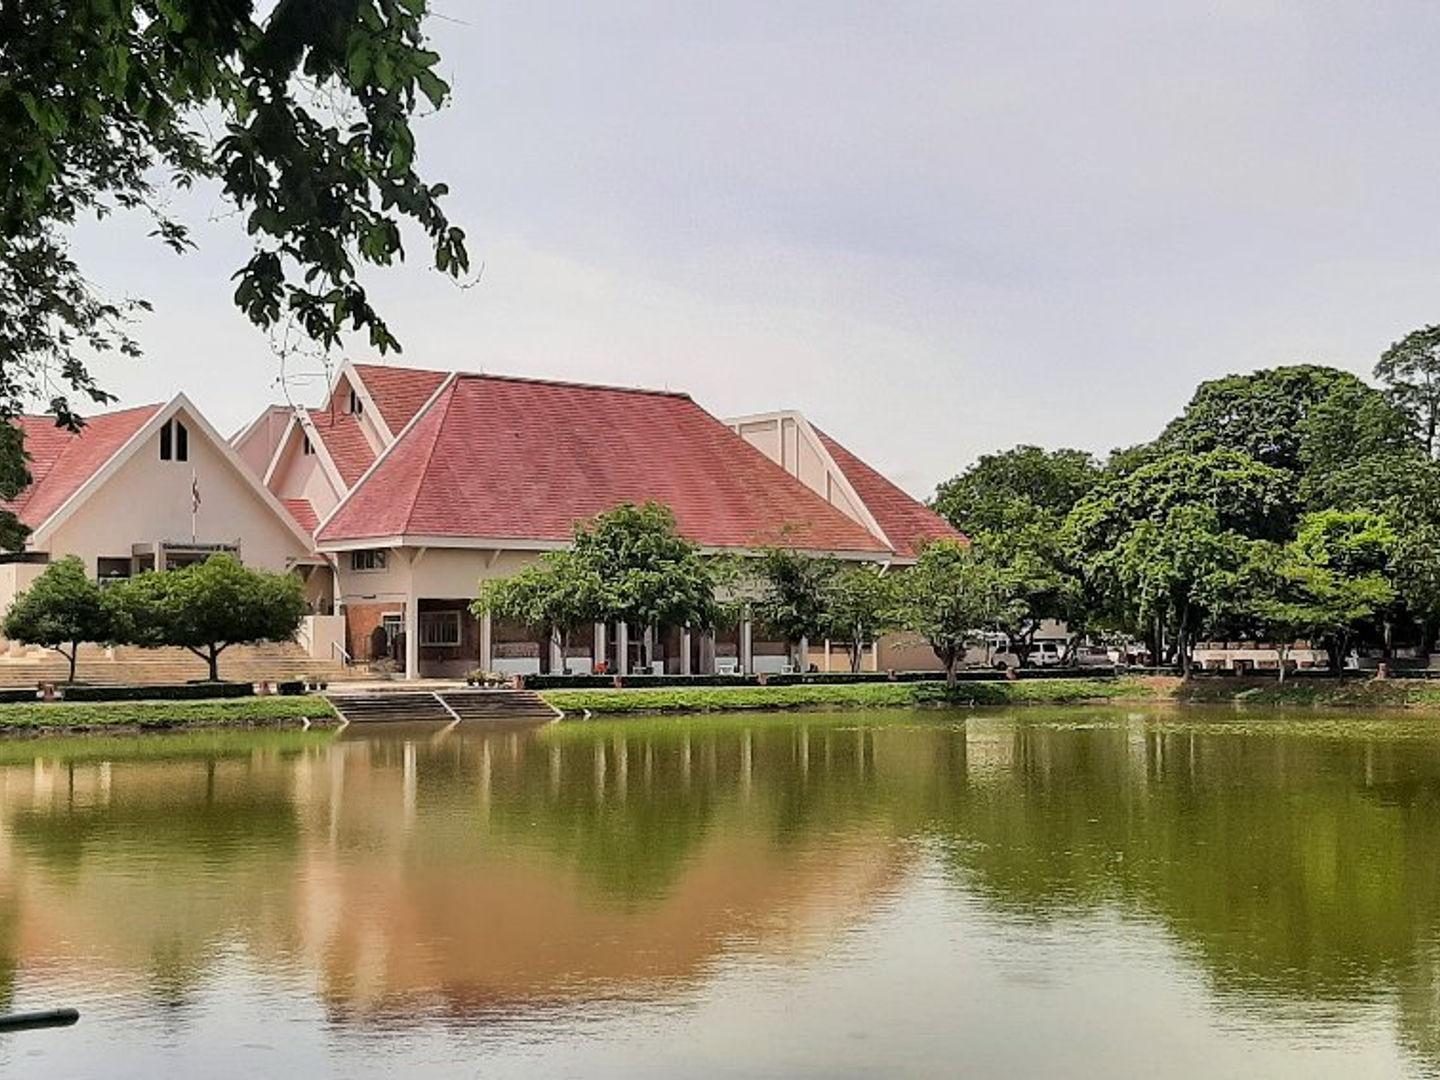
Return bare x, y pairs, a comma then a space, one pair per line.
443, 706
498, 705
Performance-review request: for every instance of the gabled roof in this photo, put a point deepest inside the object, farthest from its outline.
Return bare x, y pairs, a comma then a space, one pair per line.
66, 468
303, 513
344, 441
908, 523
62, 461
399, 393
498, 458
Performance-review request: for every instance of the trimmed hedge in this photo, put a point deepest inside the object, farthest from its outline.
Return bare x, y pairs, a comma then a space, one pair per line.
196, 691
812, 678
10, 696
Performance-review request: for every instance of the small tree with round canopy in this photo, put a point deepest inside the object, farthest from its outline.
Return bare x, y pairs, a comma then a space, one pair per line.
208, 607
62, 609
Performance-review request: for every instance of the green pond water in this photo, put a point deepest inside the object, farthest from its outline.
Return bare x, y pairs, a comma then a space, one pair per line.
1036, 893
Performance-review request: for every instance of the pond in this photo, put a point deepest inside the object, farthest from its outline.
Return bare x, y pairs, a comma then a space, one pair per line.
1037, 893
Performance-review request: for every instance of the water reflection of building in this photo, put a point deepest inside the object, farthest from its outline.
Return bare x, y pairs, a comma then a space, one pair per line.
474, 872
494, 871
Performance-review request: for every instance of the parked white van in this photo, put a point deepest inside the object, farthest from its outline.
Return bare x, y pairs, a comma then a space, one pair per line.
1042, 654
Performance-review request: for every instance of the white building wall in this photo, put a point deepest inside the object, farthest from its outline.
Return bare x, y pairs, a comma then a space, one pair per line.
299, 475
789, 444
148, 500
256, 445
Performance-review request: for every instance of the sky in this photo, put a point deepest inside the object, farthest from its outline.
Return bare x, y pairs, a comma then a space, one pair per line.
937, 229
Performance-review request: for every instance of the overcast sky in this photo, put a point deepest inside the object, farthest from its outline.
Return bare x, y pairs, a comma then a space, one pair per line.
935, 228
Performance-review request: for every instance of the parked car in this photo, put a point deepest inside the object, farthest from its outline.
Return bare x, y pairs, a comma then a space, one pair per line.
1042, 654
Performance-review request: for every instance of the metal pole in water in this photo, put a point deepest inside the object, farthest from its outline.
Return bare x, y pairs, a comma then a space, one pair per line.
30, 1021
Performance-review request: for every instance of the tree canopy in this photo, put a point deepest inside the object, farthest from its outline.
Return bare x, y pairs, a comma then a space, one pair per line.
207, 607
1265, 483
1410, 368
628, 564
298, 112
1016, 488
948, 597
1263, 415
1012, 505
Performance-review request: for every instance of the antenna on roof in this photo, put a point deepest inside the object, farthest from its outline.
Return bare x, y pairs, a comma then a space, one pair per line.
288, 342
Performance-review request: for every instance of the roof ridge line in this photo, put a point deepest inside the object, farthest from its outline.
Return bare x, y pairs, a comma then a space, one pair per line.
802, 488
535, 379
430, 454
384, 454
96, 416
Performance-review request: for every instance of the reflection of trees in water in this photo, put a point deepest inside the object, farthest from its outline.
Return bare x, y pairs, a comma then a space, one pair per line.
1293, 868
629, 804
151, 871
1301, 869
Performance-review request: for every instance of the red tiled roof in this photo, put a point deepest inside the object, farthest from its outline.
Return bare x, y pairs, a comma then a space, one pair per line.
62, 461
519, 459
344, 441
907, 523
303, 512
399, 393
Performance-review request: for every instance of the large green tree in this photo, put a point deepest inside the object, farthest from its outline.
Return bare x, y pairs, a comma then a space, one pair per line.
1012, 505
298, 112
792, 592
62, 610
649, 574
1325, 584
1410, 368
627, 564
1156, 546
948, 598
553, 595
860, 605
207, 607
1016, 488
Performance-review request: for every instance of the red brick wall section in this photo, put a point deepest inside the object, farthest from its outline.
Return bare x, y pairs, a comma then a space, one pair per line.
360, 623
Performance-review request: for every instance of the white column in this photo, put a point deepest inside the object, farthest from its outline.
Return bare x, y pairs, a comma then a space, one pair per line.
487, 642
747, 646
557, 652
707, 652
648, 651
599, 657
685, 649
622, 648
412, 637
803, 654
825, 666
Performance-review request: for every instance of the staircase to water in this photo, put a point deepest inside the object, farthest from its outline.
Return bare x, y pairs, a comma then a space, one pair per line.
443, 706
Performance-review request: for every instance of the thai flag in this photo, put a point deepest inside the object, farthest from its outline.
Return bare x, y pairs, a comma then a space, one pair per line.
194, 493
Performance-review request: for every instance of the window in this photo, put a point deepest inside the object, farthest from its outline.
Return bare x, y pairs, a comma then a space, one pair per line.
111, 568
306, 447
439, 628
393, 623
174, 442
368, 560
357, 406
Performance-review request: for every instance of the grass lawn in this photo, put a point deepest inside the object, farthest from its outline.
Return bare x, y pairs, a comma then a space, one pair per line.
158, 715
885, 695
1349, 693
